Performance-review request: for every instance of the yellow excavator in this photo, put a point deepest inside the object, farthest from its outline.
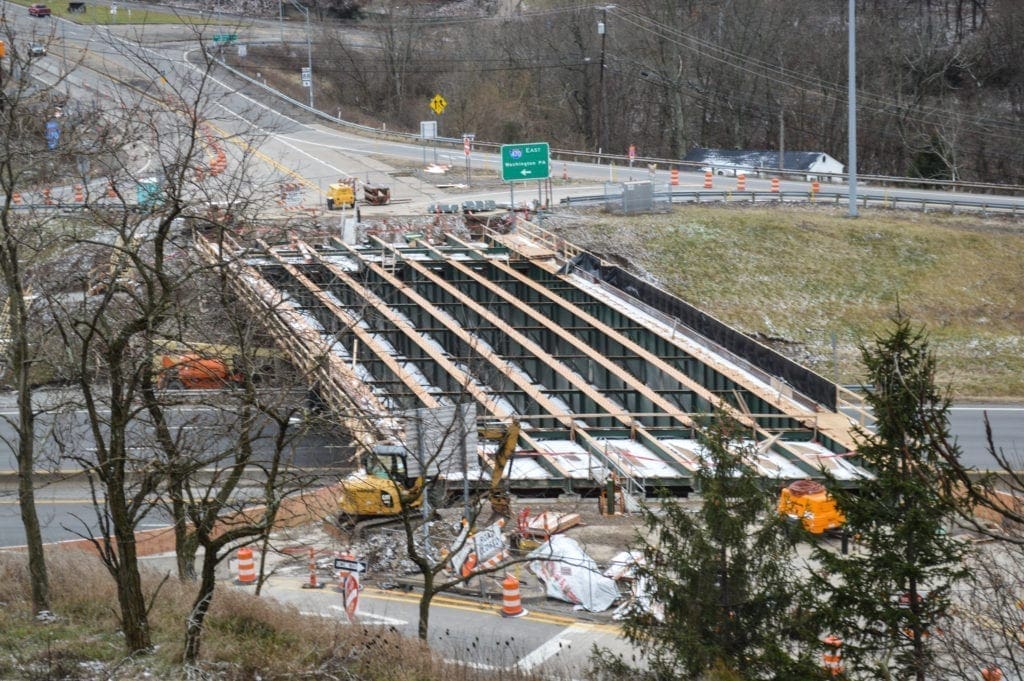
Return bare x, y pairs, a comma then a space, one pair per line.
376, 493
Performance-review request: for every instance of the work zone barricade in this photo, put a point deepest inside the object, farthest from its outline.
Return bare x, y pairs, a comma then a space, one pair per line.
674, 181
775, 185
741, 182
291, 196
314, 582
708, 180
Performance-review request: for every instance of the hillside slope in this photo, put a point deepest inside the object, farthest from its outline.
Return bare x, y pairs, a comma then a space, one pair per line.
794, 276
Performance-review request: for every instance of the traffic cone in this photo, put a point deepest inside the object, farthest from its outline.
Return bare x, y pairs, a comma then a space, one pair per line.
511, 605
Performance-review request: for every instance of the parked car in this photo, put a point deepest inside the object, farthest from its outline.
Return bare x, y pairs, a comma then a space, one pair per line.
38, 10
36, 50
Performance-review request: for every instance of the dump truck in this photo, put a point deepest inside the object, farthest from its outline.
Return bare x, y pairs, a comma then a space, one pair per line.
341, 194
809, 503
195, 372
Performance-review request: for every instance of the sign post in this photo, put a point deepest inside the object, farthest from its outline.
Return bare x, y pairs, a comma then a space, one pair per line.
428, 131
467, 149
520, 162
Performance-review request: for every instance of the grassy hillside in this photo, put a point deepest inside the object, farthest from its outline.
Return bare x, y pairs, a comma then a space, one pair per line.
247, 637
793, 277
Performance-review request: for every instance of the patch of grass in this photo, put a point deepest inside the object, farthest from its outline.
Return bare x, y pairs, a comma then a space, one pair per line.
798, 275
100, 14
246, 637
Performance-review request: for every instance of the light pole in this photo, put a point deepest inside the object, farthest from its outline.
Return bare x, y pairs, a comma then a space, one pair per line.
309, 46
851, 113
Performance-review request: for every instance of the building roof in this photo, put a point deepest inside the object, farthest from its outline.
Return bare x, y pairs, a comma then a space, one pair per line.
746, 158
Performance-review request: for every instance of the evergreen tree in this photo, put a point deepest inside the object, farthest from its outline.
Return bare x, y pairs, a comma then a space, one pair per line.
889, 595
725, 579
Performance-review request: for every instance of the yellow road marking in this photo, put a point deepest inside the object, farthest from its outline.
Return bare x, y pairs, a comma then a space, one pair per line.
469, 606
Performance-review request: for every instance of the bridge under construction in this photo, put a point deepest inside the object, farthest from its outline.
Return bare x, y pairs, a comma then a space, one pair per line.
607, 374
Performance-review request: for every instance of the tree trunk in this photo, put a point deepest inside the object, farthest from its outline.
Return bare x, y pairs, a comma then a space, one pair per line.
134, 617
21, 364
200, 606
38, 577
428, 594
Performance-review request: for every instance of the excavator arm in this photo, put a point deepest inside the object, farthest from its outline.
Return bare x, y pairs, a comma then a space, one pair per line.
507, 437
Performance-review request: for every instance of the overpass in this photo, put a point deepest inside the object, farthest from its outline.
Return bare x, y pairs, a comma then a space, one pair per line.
607, 374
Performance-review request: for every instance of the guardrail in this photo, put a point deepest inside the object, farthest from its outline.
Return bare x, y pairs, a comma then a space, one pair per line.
885, 199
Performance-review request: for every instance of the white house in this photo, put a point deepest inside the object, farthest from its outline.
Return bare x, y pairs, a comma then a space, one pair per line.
814, 164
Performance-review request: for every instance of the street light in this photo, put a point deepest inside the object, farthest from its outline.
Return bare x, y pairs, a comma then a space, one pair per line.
309, 42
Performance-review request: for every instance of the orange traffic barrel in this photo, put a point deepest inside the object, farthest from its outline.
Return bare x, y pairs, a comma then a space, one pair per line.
775, 185
832, 658
741, 182
469, 565
707, 180
815, 187
246, 567
992, 673
79, 194
511, 605
111, 190
16, 198
675, 177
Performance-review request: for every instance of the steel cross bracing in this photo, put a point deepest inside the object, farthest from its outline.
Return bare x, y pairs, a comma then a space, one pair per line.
599, 386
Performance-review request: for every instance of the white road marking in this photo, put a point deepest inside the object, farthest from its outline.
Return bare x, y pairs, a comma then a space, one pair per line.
381, 619
546, 651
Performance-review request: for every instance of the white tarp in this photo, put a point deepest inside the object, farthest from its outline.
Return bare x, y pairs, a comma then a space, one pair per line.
569, 574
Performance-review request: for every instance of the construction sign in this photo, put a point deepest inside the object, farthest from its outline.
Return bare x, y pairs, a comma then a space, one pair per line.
438, 104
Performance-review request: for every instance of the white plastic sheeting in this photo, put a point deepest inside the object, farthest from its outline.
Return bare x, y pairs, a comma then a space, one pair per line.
569, 574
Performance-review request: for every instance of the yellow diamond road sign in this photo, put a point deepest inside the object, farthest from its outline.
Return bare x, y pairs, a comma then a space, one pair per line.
438, 104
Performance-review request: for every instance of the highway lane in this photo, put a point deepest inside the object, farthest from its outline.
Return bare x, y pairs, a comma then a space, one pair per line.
553, 644
967, 425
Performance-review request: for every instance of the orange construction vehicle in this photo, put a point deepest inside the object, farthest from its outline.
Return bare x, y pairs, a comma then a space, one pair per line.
809, 503
193, 372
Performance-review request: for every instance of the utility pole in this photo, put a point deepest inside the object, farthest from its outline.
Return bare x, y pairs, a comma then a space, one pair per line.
851, 113
602, 30
309, 46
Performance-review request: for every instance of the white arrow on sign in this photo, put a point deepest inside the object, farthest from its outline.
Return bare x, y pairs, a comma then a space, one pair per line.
524, 171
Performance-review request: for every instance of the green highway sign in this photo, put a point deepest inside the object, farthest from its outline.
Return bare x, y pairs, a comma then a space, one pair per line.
525, 162
224, 38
